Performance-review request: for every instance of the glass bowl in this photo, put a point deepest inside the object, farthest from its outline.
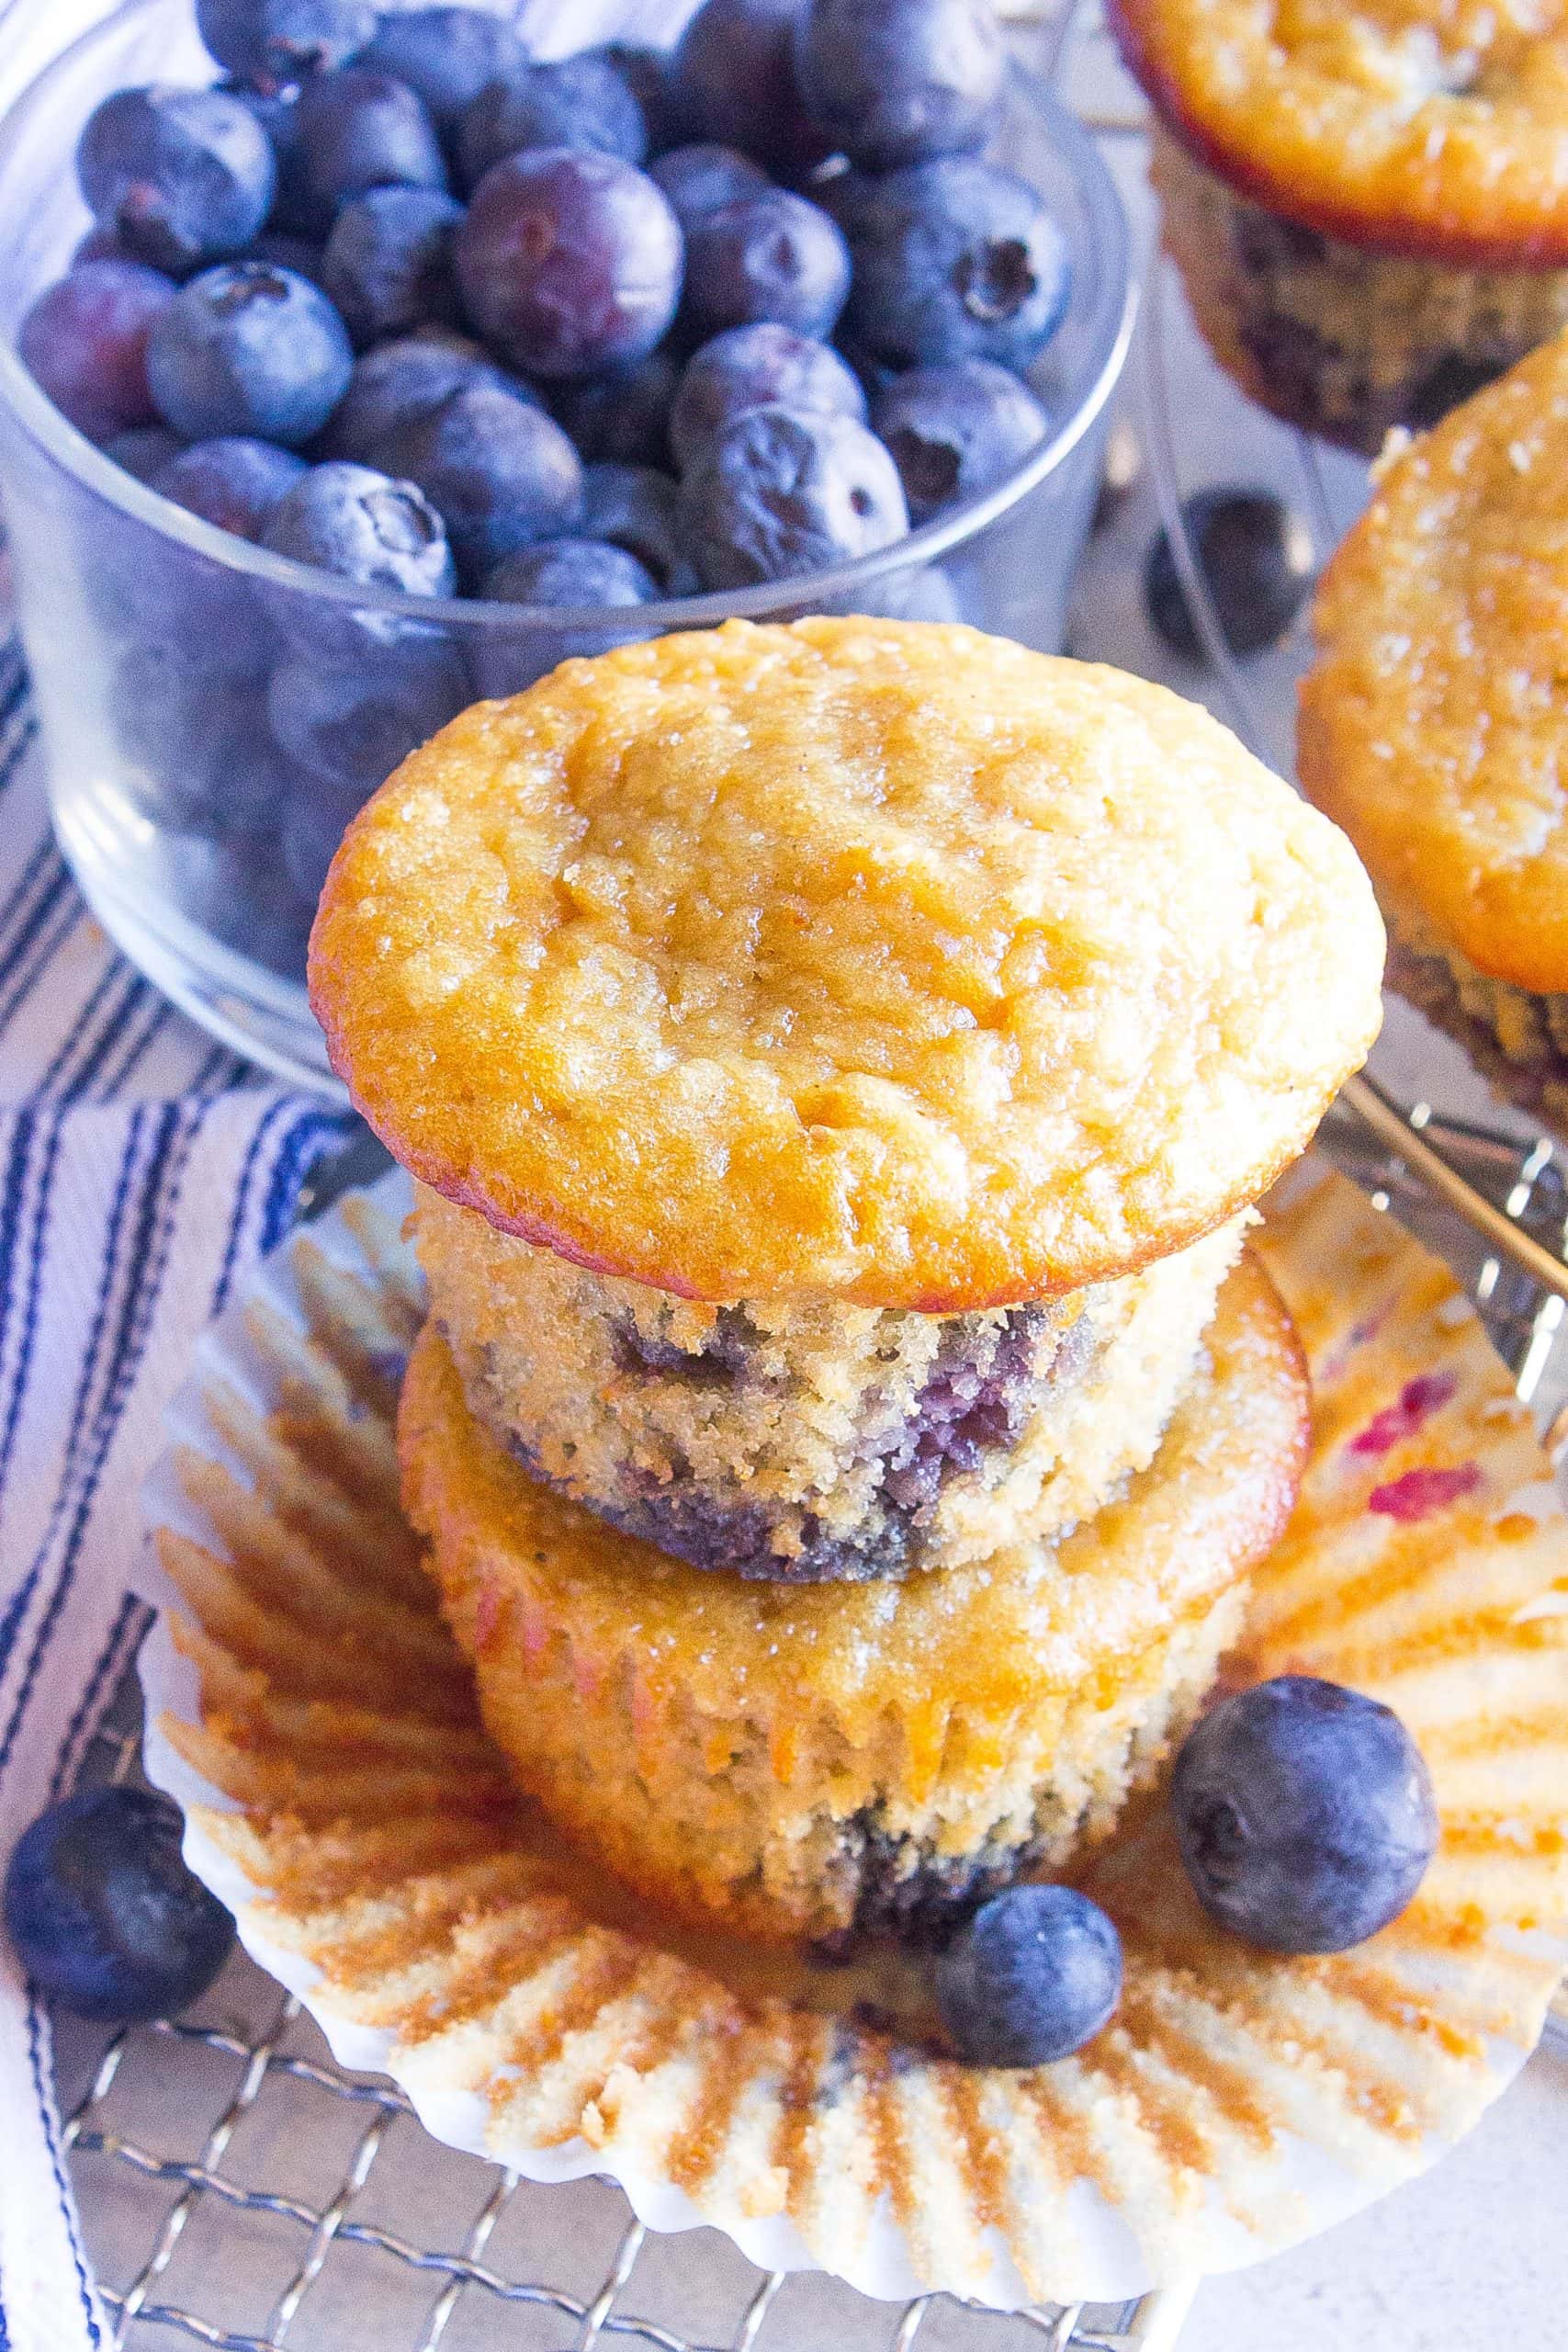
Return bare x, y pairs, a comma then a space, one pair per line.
213, 714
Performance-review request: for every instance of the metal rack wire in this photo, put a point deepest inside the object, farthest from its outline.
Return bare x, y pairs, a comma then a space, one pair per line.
259, 2067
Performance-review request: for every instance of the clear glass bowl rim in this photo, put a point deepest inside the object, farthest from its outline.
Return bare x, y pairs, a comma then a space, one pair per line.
1111, 324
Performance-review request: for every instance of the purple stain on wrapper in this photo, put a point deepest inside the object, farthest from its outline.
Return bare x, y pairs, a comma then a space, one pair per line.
1421, 1494
1418, 1400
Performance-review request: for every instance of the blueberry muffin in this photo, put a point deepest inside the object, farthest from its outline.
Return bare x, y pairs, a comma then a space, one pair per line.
807, 1437
1368, 205
832, 1761
1445, 764
840, 1054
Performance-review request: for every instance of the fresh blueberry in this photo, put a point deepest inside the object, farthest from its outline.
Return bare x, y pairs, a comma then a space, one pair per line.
896, 82
280, 249
183, 176
499, 473
276, 112
388, 264
248, 349
574, 102
100, 243
956, 431
956, 260
314, 823
240, 891
85, 341
365, 527
195, 735
736, 70
1035, 1974
556, 572
311, 830
841, 190
104, 1916
271, 43
776, 494
254, 793
568, 263
406, 378
1255, 559
445, 56
633, 507
623, 416
353, 131
703, 179
200, 763
234, 484
1305, 1815
271, 109
348, 724
763, 366
148, 586
875, 376
571, 572
141, 449
650, 75
772, 256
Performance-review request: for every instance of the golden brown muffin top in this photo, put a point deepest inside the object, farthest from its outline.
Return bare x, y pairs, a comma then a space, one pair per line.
522, 1566
1424, 126
855, 958
1434, 726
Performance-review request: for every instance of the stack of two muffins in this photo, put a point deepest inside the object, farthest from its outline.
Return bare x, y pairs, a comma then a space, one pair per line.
837, 1061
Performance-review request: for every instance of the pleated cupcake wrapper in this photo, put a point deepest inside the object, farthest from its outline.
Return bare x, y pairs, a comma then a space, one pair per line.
307, 1707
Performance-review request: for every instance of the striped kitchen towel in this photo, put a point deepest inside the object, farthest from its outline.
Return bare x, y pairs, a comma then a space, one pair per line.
143, 1173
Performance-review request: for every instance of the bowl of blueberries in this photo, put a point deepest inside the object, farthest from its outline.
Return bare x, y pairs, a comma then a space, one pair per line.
356, 363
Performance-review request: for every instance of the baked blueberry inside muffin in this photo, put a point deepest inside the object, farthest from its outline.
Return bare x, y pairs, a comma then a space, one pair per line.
811, 1438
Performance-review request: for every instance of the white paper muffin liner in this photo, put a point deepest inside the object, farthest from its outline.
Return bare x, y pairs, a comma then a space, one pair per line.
308, 1708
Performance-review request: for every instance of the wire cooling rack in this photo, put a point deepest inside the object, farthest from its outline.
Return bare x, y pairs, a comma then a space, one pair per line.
280, 2204
239, 2190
